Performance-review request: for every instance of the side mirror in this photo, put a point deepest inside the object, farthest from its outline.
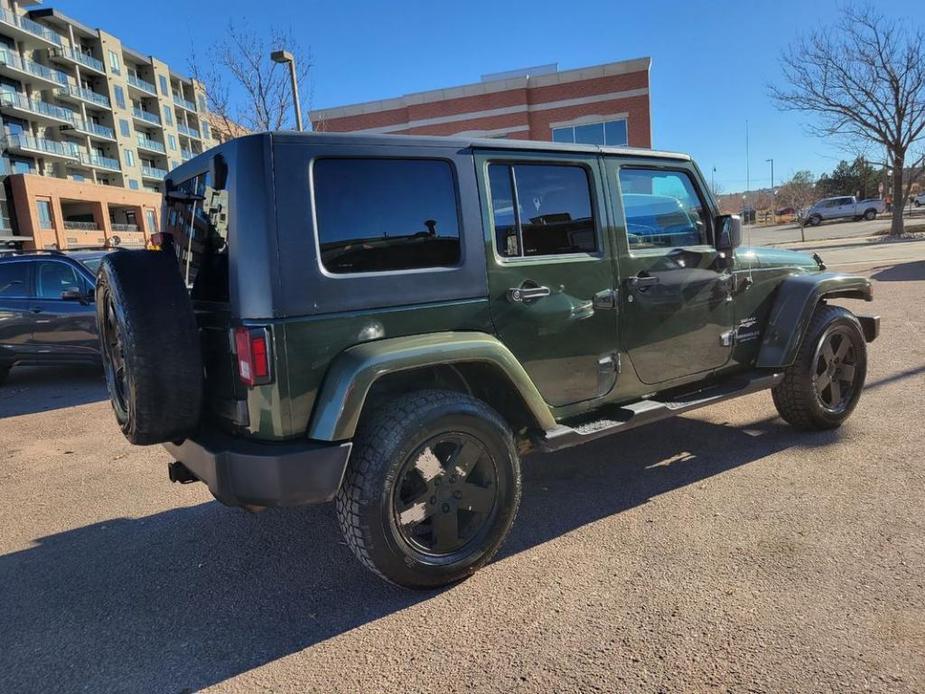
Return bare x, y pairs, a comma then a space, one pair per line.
74, 294
729, 232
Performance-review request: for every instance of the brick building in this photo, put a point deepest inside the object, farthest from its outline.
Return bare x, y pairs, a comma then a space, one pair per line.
602, 104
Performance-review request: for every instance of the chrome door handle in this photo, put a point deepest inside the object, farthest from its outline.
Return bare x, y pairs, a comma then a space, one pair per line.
523, 295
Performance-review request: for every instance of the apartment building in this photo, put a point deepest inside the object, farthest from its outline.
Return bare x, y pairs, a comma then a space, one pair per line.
600, 104
77, 104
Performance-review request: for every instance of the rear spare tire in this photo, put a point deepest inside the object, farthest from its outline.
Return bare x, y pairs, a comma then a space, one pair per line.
150, 346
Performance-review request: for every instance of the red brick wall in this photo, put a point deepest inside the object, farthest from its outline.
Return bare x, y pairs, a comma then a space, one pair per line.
636, 107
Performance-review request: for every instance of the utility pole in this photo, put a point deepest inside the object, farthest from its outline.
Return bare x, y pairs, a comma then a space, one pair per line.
773, 193
748, 180
287, 57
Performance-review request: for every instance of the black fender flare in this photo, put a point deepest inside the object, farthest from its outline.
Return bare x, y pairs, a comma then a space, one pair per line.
795, 300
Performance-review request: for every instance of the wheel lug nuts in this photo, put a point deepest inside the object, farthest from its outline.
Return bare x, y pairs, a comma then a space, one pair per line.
446, 508
457, 494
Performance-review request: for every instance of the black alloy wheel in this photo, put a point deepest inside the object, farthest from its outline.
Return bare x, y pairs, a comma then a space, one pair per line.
835, 378
822, 386
114, 356
432, 487
445, 494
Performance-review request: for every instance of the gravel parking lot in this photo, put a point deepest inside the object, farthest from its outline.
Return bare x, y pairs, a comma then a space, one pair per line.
718, 550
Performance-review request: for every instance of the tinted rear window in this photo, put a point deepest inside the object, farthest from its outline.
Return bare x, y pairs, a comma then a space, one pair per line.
379, 215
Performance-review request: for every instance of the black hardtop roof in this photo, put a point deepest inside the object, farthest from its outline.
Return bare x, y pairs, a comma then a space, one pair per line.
202, 161
458, 142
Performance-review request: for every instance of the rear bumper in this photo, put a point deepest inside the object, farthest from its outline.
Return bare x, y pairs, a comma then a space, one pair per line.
240, 472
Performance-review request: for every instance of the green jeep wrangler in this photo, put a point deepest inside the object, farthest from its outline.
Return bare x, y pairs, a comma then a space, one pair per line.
393, 322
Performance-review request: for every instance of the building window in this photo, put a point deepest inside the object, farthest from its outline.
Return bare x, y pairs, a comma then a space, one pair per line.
124, 128
168, 115
43, 207
612, 133
541, 210
202, 102
79, 177
21, 166
662, 209
174, 164
120, 96
204, 128
114, 63
133, 184
129, 157
151, 221
408, 218
171, 141
165, 88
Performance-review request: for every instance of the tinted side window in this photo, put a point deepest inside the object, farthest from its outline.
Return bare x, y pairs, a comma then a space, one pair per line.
53, 278
541, 209
13, 279
379, 215
662, 209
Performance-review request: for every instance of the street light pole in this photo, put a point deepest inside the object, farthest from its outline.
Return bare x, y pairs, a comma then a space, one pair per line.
287, 57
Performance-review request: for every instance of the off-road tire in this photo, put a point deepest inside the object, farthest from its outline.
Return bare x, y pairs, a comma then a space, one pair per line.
795, 397
870, 214
385, 442
149, 313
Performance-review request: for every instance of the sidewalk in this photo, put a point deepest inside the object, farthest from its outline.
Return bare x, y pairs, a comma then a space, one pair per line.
845, 243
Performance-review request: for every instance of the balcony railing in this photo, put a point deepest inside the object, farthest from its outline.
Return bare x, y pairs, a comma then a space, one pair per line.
81, 226
24, 65
99, 161
141, 84
185, 103
146, 115
152, 171
95, 129
23, 103
148, 143
86, 94
28, 25
187, 154
40, 144
80, 57
186, 130
124, 227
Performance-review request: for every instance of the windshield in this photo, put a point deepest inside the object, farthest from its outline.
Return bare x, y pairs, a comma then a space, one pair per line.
92, 263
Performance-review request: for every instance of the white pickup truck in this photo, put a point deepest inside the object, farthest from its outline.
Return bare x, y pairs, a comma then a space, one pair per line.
839, 208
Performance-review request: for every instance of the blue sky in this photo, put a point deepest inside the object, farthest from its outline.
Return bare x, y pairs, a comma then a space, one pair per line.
711, 60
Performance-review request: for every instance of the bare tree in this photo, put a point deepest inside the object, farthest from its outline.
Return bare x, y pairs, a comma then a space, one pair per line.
798, 193
245, 89
865, 80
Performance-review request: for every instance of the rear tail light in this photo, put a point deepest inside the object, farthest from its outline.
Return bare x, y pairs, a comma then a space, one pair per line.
252, 349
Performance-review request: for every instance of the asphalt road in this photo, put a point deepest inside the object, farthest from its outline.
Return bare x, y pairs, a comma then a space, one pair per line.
789, 233
718, 550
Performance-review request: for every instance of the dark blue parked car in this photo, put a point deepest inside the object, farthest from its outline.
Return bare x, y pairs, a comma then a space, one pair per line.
47, 316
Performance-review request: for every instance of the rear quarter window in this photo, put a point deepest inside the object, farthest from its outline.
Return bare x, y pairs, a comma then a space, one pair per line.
385, 215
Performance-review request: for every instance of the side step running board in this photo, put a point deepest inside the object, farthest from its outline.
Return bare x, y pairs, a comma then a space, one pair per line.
636, 414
